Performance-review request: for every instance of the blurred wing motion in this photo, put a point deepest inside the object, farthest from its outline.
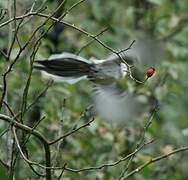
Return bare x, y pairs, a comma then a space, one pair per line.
145, 52
117, 107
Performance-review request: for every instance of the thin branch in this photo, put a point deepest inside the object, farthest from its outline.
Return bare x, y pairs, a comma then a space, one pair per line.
91, 41
141, 139
72, 7
71, 132
26, 139
4, 164
94, 37
21, 152
62, 171
153, 160
110, 164
15, 116
3, 13
21, 50
65, 23
24, 128
4, 54
26, 89
5, 131
41, 94
126, 49
33, 5
46, 144
71, 26
39, 136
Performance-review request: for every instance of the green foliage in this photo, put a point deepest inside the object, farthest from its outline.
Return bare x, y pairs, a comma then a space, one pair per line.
62, 104
3, 173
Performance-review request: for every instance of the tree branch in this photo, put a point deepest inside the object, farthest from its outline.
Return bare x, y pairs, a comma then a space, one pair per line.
153, 160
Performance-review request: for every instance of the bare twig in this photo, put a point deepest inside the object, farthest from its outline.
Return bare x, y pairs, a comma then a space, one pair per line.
71, 132
4, 164
26, 139
5, 131
140, 141
41, 94
94, 37
91, 41
26, 89
3, 13
71, 26
39, 136
153, 160
71, 8
4, 54
21, 152
21, 50
110, 164
62, 171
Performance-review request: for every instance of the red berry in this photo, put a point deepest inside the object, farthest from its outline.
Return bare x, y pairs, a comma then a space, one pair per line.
150, 71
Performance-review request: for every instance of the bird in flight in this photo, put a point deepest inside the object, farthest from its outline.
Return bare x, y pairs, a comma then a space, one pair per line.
72, 68
109, 102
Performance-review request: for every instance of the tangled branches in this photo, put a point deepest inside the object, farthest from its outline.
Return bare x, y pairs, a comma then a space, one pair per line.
19, 132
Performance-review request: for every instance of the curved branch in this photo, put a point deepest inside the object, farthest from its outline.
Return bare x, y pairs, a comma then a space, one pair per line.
36, 134
153, 160
94, 37
71, 132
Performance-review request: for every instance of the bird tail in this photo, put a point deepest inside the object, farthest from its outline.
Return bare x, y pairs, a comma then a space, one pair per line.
67, 66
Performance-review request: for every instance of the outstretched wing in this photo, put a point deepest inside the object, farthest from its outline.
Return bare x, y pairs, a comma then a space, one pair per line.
115, 106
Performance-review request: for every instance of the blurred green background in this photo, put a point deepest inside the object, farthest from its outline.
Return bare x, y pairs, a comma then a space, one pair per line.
164, 23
